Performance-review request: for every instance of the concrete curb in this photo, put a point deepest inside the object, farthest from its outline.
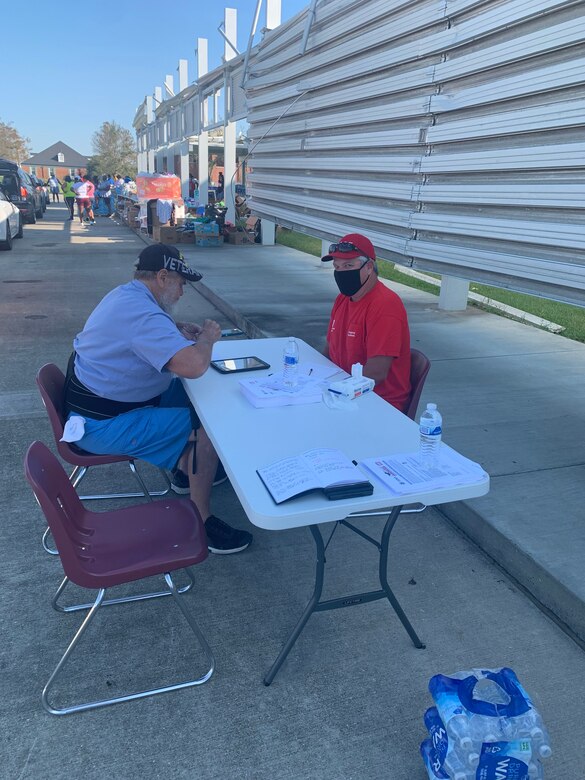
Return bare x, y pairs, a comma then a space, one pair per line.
557, 601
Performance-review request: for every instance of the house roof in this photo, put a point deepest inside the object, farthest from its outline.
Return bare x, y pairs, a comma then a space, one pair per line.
49, 157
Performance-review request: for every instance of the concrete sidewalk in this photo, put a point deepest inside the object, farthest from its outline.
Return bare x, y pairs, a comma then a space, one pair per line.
512, 398
348, 702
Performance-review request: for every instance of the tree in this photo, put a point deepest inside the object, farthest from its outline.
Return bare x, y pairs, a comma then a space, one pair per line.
13, 146
114, 150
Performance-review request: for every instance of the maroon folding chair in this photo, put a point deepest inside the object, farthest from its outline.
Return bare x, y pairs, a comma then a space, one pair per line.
419, 368
101, 550
51, 383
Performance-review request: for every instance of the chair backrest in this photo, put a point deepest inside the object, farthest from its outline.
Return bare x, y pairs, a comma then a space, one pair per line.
51, 383
62, 508
419, 368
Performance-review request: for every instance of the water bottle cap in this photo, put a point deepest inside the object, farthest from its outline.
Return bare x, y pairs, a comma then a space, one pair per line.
432, 407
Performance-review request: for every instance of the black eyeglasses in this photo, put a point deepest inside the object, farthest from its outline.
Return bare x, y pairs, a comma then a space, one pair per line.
343, 246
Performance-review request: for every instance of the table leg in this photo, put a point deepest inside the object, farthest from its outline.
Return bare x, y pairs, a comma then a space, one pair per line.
314, 605
385, 541
309, 609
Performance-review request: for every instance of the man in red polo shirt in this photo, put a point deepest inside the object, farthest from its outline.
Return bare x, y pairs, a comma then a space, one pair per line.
368, 322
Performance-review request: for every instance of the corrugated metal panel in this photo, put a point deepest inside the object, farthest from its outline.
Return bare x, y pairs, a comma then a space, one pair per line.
449, 131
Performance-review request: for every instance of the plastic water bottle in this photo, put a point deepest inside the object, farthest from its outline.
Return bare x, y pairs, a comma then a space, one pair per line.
290, 360
430, 435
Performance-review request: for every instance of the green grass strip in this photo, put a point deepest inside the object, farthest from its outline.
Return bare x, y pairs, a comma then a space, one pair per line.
572, 318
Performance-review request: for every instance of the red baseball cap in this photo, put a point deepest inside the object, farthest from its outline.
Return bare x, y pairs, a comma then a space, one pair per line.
349, 247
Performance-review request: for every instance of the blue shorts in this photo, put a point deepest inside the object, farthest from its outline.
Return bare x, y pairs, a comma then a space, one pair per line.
156, 434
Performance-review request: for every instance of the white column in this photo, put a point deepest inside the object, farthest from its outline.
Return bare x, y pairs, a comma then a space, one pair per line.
273, 14
453, 295
230, 24
203, 139
268, 230
169, 86
157, 97
229, 128
183, 75
148, 156
185, 168
229, 172
150, 166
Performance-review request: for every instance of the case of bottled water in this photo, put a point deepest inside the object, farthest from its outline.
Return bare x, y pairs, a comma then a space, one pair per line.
484, 727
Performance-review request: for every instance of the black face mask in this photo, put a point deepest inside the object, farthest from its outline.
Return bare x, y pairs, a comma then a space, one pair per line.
349, 282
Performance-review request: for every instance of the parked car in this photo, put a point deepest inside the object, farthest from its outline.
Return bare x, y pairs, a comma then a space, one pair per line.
10, 221
19, 187
42, 189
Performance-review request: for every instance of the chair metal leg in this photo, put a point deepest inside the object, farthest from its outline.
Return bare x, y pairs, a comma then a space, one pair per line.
121, 600
132, 696
145, 493
45, 542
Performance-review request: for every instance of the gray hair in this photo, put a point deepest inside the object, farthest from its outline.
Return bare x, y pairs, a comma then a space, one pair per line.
145, 276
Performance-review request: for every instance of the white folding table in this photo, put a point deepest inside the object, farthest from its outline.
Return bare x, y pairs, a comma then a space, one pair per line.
247, 438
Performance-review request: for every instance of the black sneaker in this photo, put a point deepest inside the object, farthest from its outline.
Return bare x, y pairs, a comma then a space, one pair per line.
220, 475
180, 481
222, 539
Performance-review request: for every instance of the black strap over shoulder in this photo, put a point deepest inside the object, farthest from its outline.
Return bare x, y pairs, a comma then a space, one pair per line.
79, 398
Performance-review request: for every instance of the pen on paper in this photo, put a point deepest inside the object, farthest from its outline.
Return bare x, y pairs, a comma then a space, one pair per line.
310, 371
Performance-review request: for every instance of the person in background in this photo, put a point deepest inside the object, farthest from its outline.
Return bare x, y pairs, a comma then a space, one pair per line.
193, 185
368, 323
95, 181
54, 186
69, 195
84, 192
123, 381
104, 191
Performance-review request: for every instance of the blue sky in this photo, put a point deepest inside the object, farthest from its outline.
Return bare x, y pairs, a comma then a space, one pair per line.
67, 67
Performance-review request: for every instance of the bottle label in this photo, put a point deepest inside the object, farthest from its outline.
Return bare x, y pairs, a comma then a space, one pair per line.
504, 761
290, 360
427, 431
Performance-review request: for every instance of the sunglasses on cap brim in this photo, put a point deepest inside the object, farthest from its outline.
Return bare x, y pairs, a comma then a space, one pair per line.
344, 246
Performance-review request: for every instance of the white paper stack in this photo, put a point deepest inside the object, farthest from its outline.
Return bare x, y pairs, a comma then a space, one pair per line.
271, 391
404, 473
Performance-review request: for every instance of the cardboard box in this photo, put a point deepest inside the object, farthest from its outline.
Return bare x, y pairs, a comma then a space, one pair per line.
132, 216
205, 240
168, 235
156, 234
186, 238
239, 237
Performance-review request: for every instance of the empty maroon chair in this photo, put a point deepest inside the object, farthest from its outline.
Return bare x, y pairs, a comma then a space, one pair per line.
101, 550
419, 368
51, 383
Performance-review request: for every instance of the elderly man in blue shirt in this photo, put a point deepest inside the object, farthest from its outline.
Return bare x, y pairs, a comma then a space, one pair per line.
123, 382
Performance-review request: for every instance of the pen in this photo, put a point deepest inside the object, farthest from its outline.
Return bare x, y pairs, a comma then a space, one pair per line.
334, 391
310, 371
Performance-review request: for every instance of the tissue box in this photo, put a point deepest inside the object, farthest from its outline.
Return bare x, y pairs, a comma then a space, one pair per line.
352, 387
